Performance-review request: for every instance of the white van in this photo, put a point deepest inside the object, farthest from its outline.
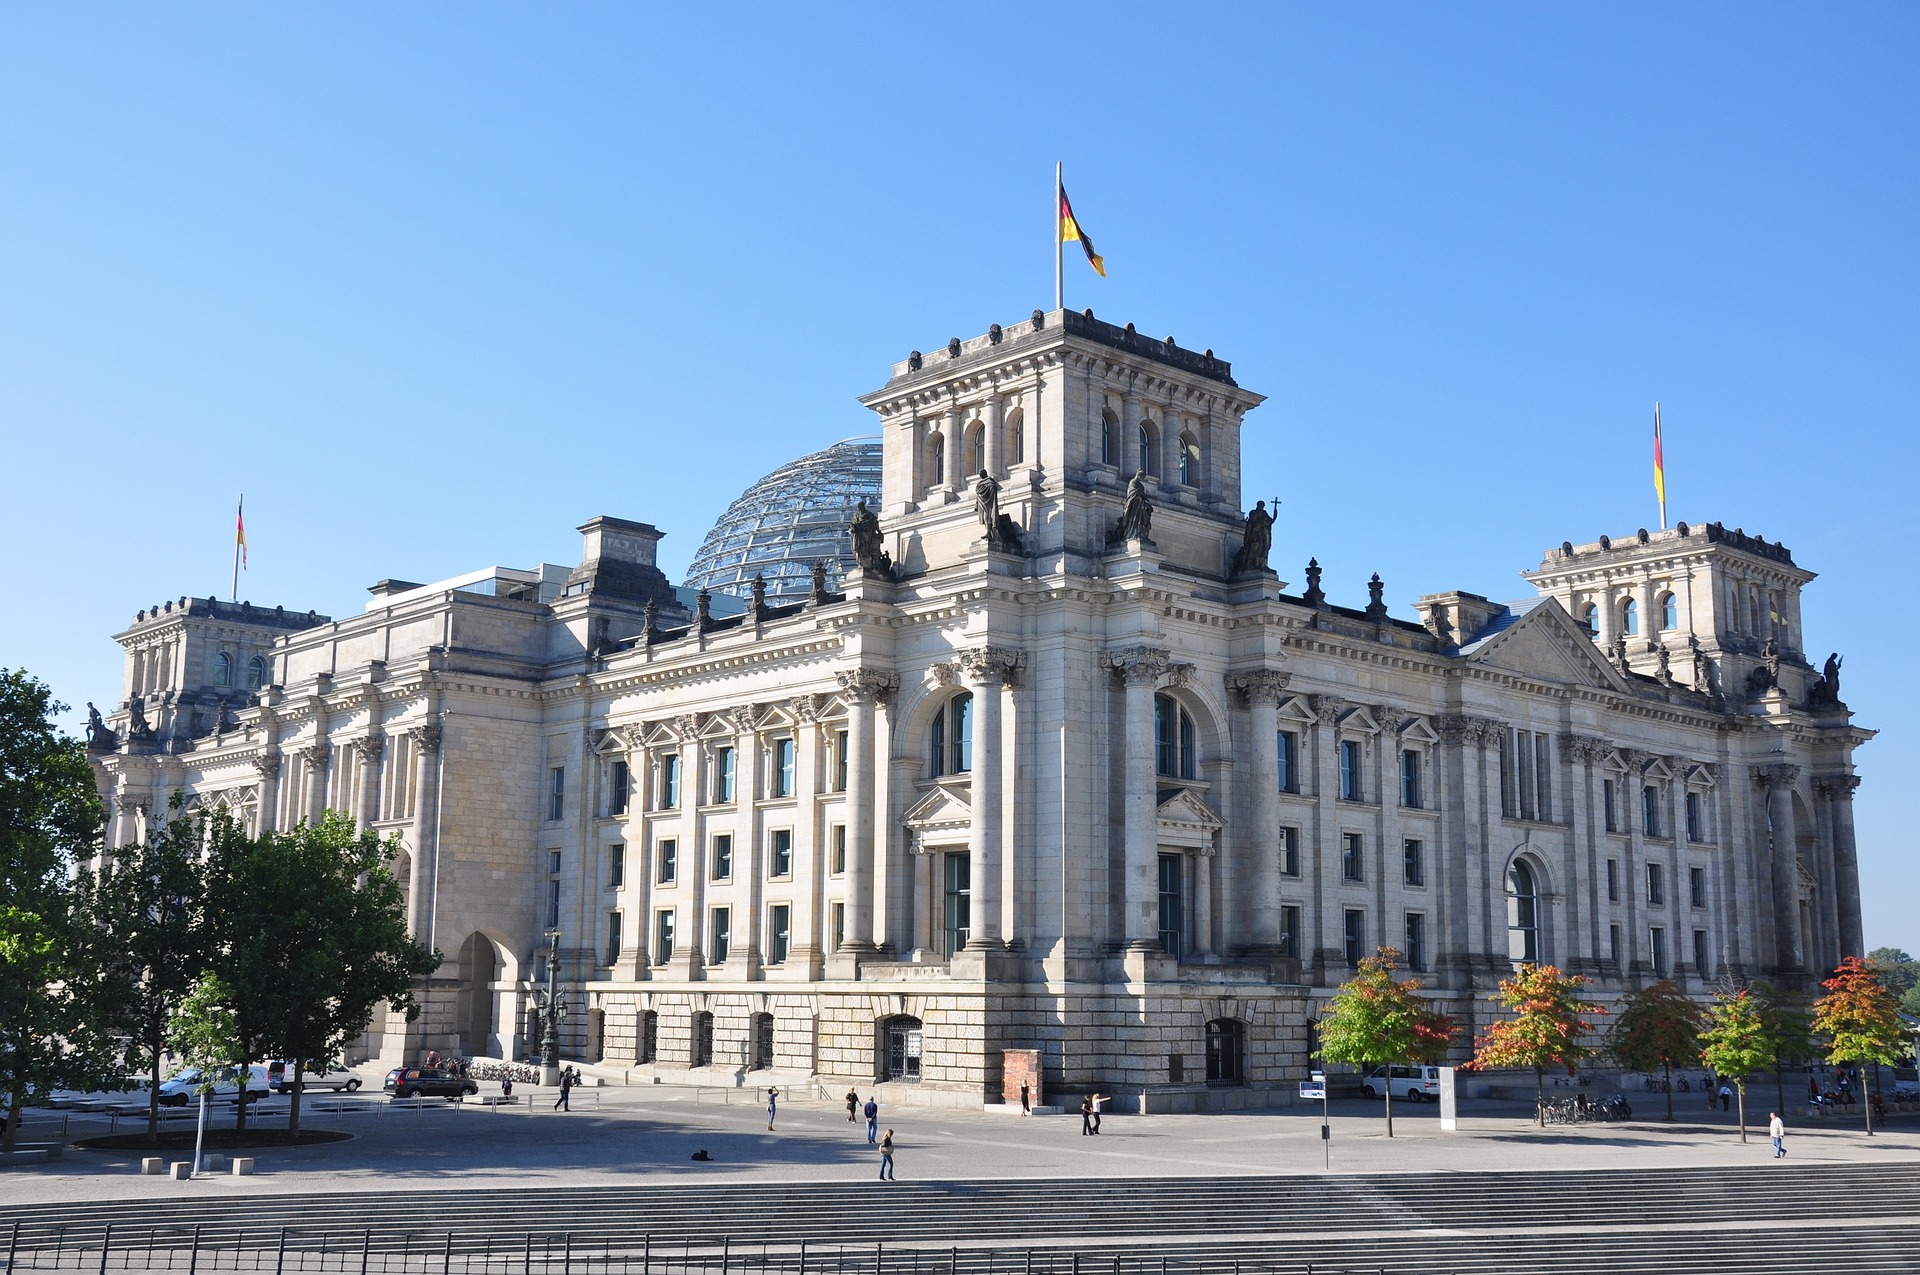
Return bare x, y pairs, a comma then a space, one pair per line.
184, 1087
280, 1076
1411, 1081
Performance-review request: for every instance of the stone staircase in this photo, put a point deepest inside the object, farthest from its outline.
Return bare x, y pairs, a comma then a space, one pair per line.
1758, 1218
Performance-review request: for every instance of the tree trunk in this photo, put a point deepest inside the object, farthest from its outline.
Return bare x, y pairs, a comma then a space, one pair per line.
16, 1100
244, 1074
153, 1095
299, 1087
1866, 1101
1667, 1067
1740, 1087
1388, 1081
1540, 1097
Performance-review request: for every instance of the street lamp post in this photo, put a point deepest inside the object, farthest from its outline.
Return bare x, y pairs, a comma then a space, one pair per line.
552, 1004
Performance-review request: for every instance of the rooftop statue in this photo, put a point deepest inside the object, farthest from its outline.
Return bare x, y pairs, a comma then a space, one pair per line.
865, 531
1136, 517
1256, 540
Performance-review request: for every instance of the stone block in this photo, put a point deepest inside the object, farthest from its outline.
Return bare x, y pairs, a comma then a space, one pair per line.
180, 1170
152, 1166
242, 1166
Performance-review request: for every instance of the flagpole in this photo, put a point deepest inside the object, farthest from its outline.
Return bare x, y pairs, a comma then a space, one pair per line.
239, 519
1660, 454
1059, 274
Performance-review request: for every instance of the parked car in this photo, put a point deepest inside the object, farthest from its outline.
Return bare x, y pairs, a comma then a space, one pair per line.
420, 1082
184, 1087
334, 1078
1407, 1080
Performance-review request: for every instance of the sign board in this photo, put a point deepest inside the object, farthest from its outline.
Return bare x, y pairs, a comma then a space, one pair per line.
1449, 1111
1314, 1089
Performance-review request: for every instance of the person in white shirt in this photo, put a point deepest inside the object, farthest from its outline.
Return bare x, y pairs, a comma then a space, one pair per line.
1777, 1130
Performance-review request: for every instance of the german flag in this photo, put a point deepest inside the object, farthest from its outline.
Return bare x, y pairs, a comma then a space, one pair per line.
1070, 231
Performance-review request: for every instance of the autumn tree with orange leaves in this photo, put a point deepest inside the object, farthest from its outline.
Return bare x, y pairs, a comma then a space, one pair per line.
1860, 1019
1546, 1029
1377, 1019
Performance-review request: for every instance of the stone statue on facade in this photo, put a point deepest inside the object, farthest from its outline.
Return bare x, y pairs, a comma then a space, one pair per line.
1003, 533
818, 593
100, 736
1136, 516
1256, 540
865, 533
138, 730
1825, 692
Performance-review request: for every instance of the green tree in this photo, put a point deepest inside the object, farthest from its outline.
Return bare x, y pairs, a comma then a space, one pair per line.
1375, 1018
1789, 1033
1859, 1019
143, 912
1658, 1026
1547, 1028
202, 1031
50, 819
312, 938
1736, 1042
1901, 973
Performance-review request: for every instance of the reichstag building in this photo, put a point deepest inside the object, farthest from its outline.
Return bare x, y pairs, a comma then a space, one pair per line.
1001, 733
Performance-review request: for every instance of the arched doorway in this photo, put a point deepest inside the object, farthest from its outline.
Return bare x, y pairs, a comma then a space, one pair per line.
475, 1020
901, 1046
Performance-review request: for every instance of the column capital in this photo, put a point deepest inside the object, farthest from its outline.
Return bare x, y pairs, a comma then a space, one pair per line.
1327, 708
866, 685
1836, 787
1391, 719
1779, 775
317, 756
1456, 728
1587, 748
426, 737
743, 718
990, 666
1259, 686
370, 747
267, 765
1139, 665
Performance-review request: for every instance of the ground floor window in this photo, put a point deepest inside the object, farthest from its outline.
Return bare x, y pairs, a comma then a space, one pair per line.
903, 1042
762, 1041
703, 1039
649, 1036
1171, 867
1226, 1051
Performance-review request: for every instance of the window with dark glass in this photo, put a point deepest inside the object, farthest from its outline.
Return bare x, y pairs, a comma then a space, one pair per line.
837, 926
723, 773
649, 1036
1697, 887
1350, 786
1356, 936
1146, 451
1613, 817
1650, 810
1613, 880
780, 852
1657, 941
703, 1039
1173, 739
256, 672
667, 853
838, 864
670, 781
723, 857
1523, 916
1171, 871
1416, 951
779, 932
613, 939
1694, 824
1289, 852
1413, 859
1613, 943
1290, 930
223, 669
1226, 1051
662, 937
556, 793
618, 782
1702, 962
839, 761
955, 909
1351, 863
780, 769
1656, 884
719, 936
1289, 749
1410, 779
553, 905
950, 738
616, 866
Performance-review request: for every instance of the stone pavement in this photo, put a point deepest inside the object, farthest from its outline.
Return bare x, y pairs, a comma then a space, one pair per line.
622, 1136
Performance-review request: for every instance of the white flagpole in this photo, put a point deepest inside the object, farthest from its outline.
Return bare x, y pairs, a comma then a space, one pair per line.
1059, 276
239, 517
1660, 445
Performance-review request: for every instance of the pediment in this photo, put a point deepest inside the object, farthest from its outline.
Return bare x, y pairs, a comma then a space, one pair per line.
1701, 775
1546, 643
942, 810
1184, 819
1296, 709
1360, 721
1416, 731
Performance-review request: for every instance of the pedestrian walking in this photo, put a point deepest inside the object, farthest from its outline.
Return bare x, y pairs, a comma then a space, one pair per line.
1777, 1130
563, 1102
773, 1101
886, 1157
1726, 1097
1086, 1114
506, 1089
872, 1113
1099, 1100
1026, 1100
853, 1104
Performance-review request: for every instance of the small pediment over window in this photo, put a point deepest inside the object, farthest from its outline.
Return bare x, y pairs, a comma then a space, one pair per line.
943, 813
1183, 819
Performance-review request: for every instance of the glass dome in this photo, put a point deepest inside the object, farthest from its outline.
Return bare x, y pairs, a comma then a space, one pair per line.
783, 524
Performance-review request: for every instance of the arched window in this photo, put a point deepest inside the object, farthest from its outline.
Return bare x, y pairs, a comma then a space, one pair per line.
1146, 450
937, 460
762, 1042
901, 1045
649, 1036
1189, 461
1109, 447
1016, 439
1174, 749
950, 738
223, 669
1226, 1051
1590, 619
256, 672
1669, 612
703, 1039
1523, 915
976, 440
1630, 618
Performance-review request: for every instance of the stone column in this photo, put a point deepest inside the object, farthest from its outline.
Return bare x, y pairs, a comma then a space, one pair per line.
1846, 866
862, 687
267, 806
636, 956
987, 671
369, 751
992, 450
1329, 954
426, 830
1203, 903
956, 456
317, 758
1777, 782
1263, 689
1140, 669
126, 820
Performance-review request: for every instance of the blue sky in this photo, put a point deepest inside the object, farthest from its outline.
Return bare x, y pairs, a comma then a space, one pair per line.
433, 284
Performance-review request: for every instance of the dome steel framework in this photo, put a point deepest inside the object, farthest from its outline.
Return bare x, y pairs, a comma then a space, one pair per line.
783, 524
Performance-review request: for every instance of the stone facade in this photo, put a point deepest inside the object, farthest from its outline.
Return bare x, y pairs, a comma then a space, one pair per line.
1062, 766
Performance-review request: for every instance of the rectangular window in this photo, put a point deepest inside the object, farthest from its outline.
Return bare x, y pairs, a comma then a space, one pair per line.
1613, 817
1290, 930
955, 909
662, 937
719, 936
1543, 777
613, 939
1171, 868
779, 932
1410, 779
1697, 887
618, 783
667, 852
1613, 880
837, 926
1650, 810
1522, 754
1656, 884
1350, 788
553, 861
780, 852
670, 781
1289, 852
1694, 827
1350, 856
723, 773
556, 793
723, 857
1613, 943
839, 761
616, 866
838, 864
780, 769
1416, 952
1701, 964
1289, 745
553, 905
1413, 856
1356, 936
1509, 799
1657, 940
